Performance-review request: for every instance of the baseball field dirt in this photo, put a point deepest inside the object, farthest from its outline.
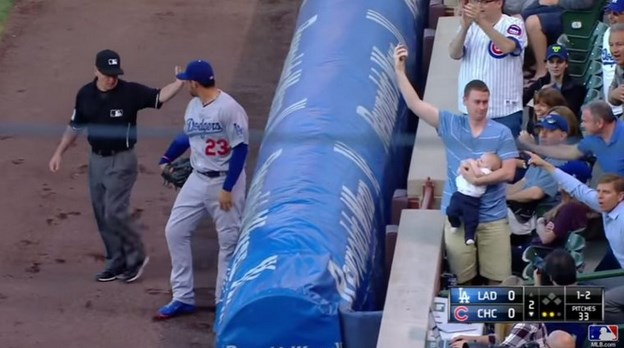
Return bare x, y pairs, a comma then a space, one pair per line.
50, 249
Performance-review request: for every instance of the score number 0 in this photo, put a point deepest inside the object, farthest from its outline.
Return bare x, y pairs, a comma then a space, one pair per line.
511, 295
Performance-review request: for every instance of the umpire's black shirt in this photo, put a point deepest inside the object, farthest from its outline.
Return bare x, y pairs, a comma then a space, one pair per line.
110, 117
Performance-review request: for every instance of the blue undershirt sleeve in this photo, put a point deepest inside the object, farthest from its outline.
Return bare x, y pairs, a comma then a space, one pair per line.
237, 162
178, 146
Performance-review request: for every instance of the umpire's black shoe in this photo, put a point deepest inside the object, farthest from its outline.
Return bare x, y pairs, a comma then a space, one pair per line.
135, 272
107, 276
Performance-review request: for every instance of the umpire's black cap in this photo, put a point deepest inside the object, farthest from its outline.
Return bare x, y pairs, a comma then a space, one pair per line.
108, 62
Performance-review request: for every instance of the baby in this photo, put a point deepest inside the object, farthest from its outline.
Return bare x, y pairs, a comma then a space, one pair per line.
466, 201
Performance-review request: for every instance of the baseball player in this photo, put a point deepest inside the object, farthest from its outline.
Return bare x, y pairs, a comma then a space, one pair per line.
491, 47
107, 108
217, 130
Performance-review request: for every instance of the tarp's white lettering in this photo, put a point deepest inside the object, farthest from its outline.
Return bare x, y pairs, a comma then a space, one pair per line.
358, 223
255, 217
355, 157
383, 116
291, 75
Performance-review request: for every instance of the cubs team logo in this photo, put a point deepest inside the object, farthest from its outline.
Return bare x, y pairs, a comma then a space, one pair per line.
460, 313
514, 29
495, 52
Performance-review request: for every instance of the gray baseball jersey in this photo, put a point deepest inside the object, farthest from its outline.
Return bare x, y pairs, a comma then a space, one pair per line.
213, 130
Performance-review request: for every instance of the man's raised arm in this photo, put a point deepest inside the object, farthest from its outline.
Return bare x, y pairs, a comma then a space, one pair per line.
564, 152
423, 110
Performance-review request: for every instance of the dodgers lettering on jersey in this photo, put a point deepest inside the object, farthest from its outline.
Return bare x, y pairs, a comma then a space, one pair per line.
608, 70
214, 130
501, 72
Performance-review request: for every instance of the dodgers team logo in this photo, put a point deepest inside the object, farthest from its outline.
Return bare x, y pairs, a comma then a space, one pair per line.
238, 129
495, 52
606, 57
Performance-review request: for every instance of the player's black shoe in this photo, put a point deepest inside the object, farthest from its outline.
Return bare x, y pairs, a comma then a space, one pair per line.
135, 272
107, 275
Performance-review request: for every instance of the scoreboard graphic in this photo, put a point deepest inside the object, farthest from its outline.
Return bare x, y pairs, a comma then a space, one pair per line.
526, 304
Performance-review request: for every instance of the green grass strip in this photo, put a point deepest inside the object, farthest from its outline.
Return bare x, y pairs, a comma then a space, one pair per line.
5, 8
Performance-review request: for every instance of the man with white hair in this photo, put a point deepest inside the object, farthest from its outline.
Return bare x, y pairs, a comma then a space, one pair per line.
560, 339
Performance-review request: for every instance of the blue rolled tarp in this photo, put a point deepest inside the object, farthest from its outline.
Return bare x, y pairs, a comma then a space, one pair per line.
313, 225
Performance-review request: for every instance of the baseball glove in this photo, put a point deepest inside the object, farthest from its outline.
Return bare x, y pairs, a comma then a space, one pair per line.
176, 172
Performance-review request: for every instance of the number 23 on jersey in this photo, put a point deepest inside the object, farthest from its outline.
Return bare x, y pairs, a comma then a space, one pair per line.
219, 147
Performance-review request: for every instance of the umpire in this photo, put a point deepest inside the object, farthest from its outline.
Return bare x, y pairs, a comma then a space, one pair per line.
107, 107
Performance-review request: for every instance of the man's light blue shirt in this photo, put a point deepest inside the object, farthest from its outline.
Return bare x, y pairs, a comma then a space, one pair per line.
459, 144
610, 156
612, 221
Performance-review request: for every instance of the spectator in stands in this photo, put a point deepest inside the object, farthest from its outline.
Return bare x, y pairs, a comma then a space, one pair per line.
490, 46
616, 45
560, 270
558, 78
574, 132
604, 139
543, 20
466, 201
570, 215
615, 15
543, 101
554, 227
537, 186
516, 7
614, 305
560, 339
470, 137
607, 198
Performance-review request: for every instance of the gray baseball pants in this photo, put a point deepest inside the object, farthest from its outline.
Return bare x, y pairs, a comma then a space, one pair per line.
111, 180
198, 198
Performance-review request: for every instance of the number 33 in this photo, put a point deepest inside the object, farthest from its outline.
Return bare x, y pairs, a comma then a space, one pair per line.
217, 147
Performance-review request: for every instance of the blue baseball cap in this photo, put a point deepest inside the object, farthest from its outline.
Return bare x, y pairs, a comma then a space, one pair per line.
558, 51
553, 122
197, 70
578, 169
616, 6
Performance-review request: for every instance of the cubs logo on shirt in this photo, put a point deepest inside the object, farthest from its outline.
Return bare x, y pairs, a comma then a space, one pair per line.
495, 52
514, 30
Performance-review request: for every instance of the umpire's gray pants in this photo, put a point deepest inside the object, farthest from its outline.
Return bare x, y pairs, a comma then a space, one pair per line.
110, 182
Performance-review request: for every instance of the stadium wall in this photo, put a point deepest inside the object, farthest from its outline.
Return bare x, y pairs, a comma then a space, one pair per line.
334, 151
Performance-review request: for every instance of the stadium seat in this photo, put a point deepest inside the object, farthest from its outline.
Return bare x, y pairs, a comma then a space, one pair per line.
592, 94
527, 272
581, 23
575, 242
593, 68
574, 245
594, 81
583, 50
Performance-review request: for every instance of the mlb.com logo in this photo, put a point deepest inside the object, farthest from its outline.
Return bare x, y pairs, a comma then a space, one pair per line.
603, 335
